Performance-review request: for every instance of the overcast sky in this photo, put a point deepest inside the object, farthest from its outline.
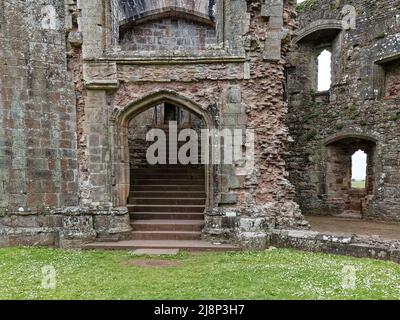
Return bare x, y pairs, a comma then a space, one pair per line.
359, 165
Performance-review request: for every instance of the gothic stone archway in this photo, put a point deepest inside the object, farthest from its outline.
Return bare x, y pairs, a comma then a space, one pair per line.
120, 145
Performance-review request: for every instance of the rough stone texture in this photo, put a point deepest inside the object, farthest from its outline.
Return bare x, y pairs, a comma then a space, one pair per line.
38, 129
392, 81
169, 34
38, 148
361, 247
360, 111
38, 168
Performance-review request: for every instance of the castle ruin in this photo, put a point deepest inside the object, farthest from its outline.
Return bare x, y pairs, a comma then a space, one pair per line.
83, 82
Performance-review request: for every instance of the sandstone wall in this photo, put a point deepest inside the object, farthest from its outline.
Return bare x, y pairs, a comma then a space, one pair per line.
38, 165
169, 34
38, 129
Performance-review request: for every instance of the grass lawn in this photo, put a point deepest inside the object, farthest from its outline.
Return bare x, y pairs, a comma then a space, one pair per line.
358, 184
277, 274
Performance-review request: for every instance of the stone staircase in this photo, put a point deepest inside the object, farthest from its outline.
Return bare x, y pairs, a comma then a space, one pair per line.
166, 206
167, 203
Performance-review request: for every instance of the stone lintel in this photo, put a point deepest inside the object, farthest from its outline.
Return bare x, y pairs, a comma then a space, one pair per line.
102, 85
105, 74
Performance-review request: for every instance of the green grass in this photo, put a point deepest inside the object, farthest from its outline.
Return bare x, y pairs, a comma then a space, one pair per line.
278, 274
358, 184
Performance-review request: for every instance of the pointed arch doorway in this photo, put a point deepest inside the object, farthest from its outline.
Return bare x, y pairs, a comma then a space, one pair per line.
166, 201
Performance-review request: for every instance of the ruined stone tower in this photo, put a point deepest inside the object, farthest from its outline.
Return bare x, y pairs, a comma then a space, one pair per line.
74, 75
359, 111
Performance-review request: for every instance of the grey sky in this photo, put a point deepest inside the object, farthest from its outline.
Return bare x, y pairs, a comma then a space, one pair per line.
359, 165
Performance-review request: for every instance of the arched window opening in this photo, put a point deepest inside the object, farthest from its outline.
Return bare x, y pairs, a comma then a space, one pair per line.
359, 170
324, 70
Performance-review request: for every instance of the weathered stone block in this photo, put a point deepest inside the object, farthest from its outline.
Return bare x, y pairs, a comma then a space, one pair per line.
232, 108
100, 75
229, 198
234, 95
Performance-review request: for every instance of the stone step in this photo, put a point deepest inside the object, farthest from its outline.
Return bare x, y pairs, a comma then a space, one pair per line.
167, 194
167, 201
169, 208
193, 246
167, 216
166, 235
155, 252
170, 168
166, 188
155, 182
143, 161
142, 149
171, 176
166, 151
168, 225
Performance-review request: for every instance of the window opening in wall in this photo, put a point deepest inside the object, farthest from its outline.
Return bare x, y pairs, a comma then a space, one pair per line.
285, 84
359, 170
171, 113
324, 70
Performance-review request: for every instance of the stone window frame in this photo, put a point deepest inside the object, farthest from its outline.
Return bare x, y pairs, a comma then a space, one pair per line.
223, 45
379, 74
331, 26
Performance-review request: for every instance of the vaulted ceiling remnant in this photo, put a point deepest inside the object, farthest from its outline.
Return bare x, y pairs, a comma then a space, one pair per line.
138, 10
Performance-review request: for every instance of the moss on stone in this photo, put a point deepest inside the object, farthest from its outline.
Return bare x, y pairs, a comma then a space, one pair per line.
310, 135
395, 116
380, 35
306, 5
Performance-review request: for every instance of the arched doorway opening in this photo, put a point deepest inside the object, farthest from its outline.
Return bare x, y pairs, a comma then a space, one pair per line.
166, 196
350, 167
